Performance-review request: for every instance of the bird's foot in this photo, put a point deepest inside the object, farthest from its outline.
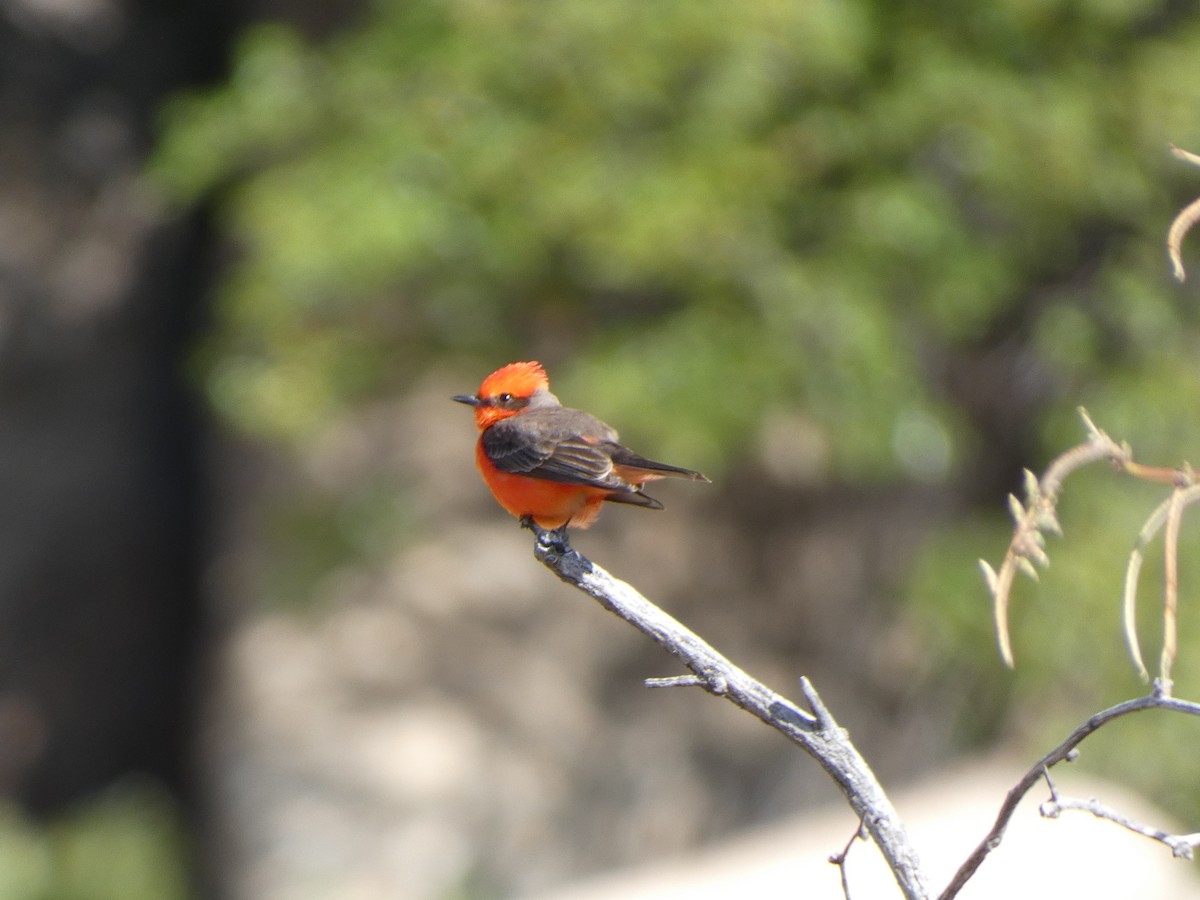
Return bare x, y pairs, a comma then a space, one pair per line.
554, 540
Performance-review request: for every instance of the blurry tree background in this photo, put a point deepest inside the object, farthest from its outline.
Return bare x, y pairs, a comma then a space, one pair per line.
858, 261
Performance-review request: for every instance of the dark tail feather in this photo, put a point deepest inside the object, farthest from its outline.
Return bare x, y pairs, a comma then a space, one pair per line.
634, 498
623, 458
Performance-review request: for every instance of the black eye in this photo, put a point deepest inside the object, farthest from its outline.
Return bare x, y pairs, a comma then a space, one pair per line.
504, 398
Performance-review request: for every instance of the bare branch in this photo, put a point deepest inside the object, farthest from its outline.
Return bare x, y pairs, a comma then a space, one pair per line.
1064, 751
1182, 845
818, 734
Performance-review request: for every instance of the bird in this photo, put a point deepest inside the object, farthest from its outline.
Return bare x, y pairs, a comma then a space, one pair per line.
551, 465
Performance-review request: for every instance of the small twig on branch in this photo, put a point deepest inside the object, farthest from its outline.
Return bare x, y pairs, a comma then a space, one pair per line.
817, 705
816, 733
839, 859
1064, 751
675, 681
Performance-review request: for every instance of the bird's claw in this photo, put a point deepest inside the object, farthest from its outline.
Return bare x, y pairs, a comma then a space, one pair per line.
552, 539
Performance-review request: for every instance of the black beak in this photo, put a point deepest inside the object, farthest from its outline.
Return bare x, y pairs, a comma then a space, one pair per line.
466, 398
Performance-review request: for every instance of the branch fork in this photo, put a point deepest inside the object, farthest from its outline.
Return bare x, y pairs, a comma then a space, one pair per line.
817, 732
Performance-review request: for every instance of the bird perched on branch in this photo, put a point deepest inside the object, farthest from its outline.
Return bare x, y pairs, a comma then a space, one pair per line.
553, 465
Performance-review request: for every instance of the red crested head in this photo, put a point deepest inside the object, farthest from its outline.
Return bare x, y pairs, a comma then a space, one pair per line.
519, 379
508, 391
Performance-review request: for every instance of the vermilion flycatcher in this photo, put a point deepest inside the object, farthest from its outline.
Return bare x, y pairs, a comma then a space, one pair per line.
552, 464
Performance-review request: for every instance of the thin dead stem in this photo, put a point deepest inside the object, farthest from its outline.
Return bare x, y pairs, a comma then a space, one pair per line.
1183, 222
1037, 515
1169, 513
1170, 589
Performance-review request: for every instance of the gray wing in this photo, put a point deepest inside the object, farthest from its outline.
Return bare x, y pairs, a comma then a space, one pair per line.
563, 445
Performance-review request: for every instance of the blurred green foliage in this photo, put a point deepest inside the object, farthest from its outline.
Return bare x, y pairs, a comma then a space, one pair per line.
698, 213
127, 844
725, 207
